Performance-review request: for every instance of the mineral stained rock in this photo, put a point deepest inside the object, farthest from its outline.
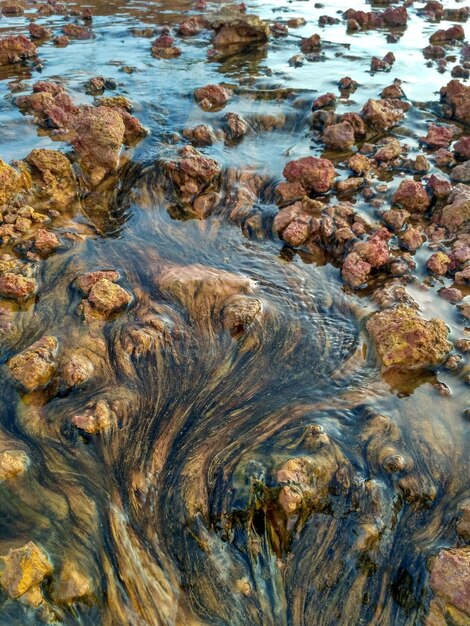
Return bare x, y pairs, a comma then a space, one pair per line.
35, 366
403, 339
22, 569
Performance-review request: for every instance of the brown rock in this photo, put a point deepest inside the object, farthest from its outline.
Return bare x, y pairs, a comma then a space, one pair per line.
450, 34
359, 163
461, 173
237, 126
71, 586
311, 44
15, 49
16, 286
212, 97
99, 137
76, 31
192, 172
312, 173
412, 238
391, 149
61, 41
462, 148
324, 100
86, 281
53, 177
39, 32
412, 196
12, 463
457, 96
233, 28
288, 192
10, 182
396, 218
76, 371
405, 340
35, 366
22, 569
381, 114
339, 136
190, 27
440, 188
96, 419
455, 216
108, 297
450, 580
201, 135
297, 232
12, 9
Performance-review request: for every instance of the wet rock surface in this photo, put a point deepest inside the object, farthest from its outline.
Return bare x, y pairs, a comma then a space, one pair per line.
234, 319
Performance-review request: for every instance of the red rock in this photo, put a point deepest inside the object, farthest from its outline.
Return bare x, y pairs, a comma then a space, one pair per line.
311, 44
189, 28
435, 52
455, 32
412, 196
439, 188
355, 270
457, 97
393, 91
16, 286
312, 173
443, 158
438, 136
39, 32
133, 129
324, 100
384, 64
339, 136
438, 263
395, 17
462, 148
86, 281
279, 30
192, 172
347, 84
380, 114
76, 31
375, 250
450, 580
405, 340
45, 241
451, 294
297, 232
212, 97
46, 86
15, 49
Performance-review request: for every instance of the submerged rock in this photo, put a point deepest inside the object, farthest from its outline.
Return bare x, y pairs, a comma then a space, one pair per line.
22, 569
108, 297
403, 339
71, 586
12, 463
35, 366
450, 582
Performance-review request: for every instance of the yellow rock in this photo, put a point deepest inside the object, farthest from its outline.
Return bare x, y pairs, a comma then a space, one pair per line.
22, 569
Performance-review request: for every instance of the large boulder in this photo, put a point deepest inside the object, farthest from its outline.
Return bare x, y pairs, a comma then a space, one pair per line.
403, 339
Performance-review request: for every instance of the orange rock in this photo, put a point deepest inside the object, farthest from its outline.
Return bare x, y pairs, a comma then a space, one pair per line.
35, 366
22, 569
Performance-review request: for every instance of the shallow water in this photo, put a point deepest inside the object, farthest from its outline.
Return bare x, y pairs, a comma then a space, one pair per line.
173, 514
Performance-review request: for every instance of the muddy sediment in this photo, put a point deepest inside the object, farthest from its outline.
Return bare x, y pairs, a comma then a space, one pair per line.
234, 315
